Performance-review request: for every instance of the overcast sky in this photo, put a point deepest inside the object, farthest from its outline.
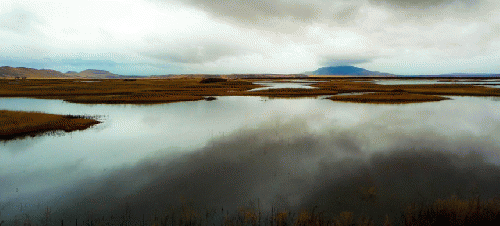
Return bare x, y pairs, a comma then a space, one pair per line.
144, 37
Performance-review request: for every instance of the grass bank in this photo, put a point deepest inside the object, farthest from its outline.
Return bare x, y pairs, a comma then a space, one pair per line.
14, 124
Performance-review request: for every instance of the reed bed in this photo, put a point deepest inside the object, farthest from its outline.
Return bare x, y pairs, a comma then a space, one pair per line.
388, 98
14, 124
154, 91
348, 86
443, 212
118, 91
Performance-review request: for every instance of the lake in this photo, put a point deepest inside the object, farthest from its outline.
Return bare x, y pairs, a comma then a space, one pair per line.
289, 84
40, 169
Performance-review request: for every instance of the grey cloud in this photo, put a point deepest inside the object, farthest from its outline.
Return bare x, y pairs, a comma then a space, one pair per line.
431, 12
346, 60
347, 14
197, 52
278, 15
255, 9
291, 16
342, 62
18, 21
408, 4
485, 39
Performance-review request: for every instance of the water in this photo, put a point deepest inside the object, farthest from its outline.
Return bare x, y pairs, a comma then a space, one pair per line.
493, 83
131, 133
282, 85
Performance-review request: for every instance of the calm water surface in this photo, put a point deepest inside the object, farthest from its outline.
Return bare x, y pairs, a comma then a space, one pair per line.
281, 85
130, 133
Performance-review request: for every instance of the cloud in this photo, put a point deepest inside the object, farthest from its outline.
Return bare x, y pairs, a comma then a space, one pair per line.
292, 16
54, 63
335, 61
255, 9
18, 21
197, 52
256, 36
408, 4
280, 16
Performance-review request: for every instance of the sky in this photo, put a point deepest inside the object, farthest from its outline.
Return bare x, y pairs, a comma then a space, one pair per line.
157, 37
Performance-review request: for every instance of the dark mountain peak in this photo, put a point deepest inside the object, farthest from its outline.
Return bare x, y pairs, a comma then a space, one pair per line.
96, 71
347, 70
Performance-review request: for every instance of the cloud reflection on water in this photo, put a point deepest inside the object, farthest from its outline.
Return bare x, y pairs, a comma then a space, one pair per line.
330, 159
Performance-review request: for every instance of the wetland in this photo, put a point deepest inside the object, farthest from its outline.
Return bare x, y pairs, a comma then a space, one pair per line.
250, 155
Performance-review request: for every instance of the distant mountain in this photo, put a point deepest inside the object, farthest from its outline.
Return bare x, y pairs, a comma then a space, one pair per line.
92, 73
22, 72
347, 70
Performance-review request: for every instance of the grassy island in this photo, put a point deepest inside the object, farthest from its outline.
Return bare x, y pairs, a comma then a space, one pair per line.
388, 98
14, 124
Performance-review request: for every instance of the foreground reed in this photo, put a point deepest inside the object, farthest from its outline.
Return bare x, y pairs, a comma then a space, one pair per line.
443, 212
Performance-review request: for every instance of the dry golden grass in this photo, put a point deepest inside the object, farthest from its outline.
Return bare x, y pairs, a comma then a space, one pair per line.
117, 91
388, 98
152, 91
17, 124
454, 211
347, 86
443, 212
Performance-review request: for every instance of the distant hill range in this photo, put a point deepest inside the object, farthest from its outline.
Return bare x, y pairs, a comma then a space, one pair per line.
347, 70
31, 73
22, 72
92, 74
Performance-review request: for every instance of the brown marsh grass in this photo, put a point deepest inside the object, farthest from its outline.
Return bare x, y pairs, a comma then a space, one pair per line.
17, 123
452, 211
348, 86
118, 91
388, 98
442, 212
153, 91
